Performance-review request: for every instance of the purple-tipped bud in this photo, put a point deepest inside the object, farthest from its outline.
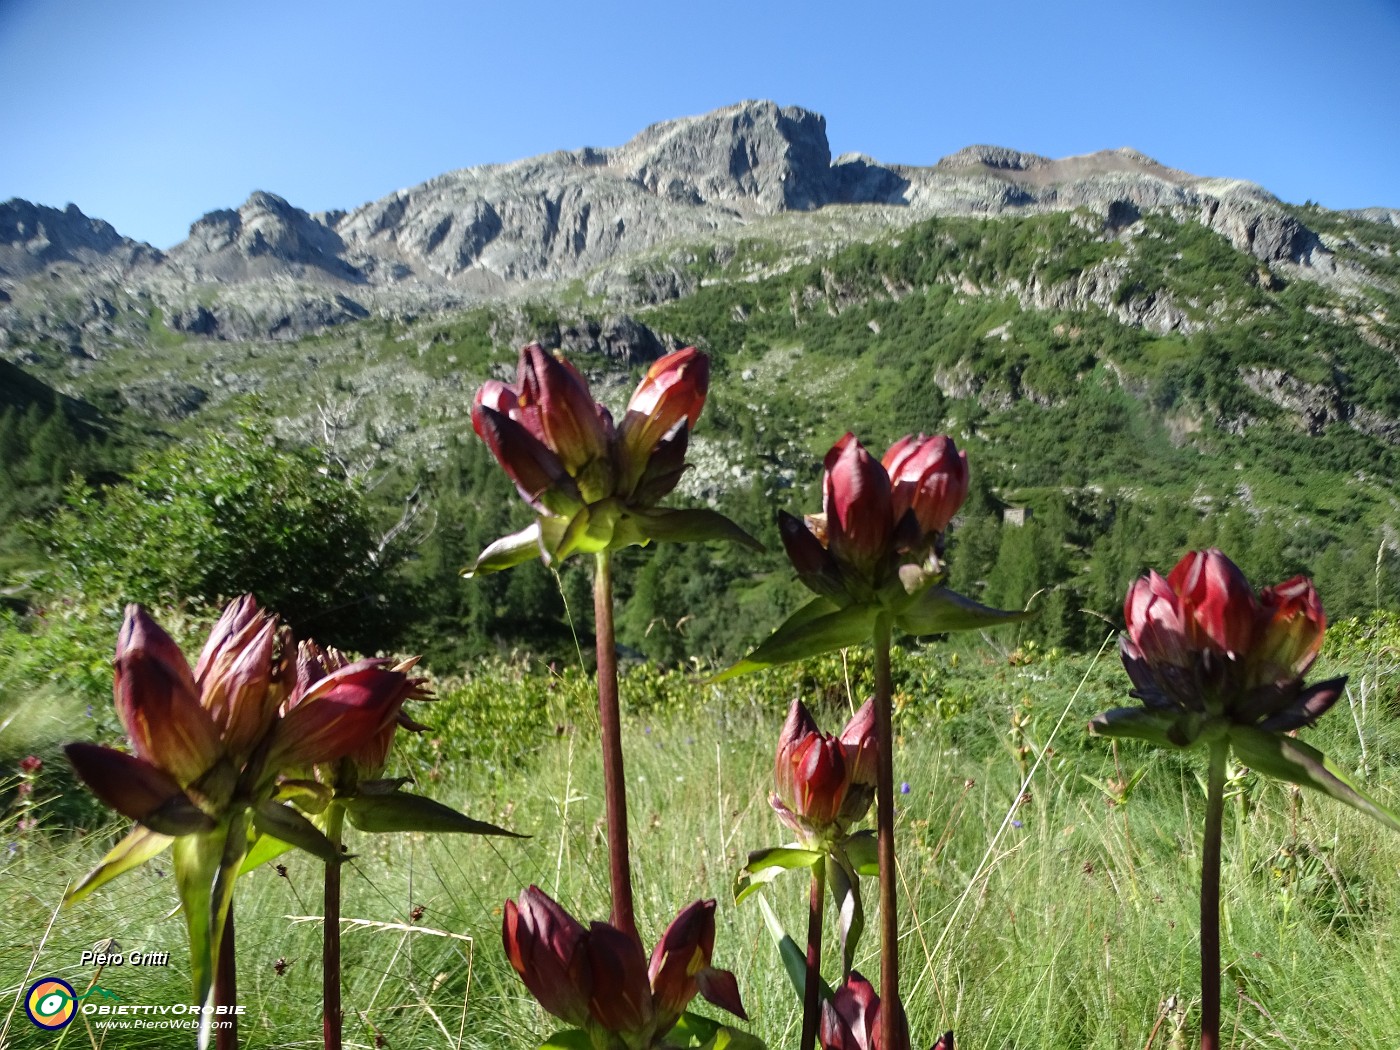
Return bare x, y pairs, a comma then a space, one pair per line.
547, 947
851, 1018
158, 702
928, 475
858, 507
620, 999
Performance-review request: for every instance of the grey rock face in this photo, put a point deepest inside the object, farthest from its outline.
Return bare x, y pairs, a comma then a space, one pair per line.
490, 231
33, 236
264, 237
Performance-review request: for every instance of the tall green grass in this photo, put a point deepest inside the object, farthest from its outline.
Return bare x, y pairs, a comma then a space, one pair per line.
1037, 914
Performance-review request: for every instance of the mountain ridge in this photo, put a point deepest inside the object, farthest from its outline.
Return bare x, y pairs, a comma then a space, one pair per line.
269, 268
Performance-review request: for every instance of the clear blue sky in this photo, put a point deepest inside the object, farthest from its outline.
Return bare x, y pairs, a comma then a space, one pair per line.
148, 113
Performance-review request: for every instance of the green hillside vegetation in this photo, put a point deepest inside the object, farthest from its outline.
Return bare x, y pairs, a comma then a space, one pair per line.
1125, 445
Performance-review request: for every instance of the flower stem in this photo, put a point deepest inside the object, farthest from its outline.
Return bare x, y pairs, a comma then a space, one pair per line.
811, 996
891, 1009
332, 1015
610, 722
1210, 897
226, 987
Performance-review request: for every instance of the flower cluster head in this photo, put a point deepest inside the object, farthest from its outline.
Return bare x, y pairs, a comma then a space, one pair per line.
824, 783
208, 741
852, 1020
597, 978
594, 484
881, 522
1202, 645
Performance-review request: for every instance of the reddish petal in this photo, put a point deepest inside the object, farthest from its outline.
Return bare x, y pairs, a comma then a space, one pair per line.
620, 1000
1217, 603
820, 776
158, 703
535, 469
929, 476
137, 789
858, 507
546, 947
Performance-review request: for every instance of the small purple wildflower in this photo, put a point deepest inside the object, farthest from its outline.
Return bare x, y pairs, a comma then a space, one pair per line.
904, 787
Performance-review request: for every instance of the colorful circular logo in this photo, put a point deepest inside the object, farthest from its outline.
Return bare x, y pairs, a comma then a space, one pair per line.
51, 1003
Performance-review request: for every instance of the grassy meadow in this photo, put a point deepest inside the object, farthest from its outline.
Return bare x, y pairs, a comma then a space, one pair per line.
1050, 884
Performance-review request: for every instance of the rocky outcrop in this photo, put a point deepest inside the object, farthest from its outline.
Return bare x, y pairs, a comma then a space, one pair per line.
34, 237
264, 237
268, 267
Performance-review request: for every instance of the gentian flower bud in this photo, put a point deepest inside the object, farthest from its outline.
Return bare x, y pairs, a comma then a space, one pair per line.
815, 793
858, 740
239, 684
851, 1017
158, 702
1290, 629
680, 967
570, 422
672, 391
339, 714
620, 998
928, 475
1216, 601
546, 947
858, 507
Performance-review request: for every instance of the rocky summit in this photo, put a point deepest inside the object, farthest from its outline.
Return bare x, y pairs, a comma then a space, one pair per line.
268, 269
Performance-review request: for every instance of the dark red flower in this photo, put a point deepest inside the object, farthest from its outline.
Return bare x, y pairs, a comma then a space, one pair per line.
823, 783
546, 947
158, 702
928, 475
1201, 643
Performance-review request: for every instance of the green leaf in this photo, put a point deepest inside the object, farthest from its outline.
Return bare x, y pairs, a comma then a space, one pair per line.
765, 865
861, 853
285, 823
939, 610
600, 526
568, 1039
1304, 765
691, 1030
794, 959
139, 846
850, 915
678, 525
264, 848
309, 796
404, 812
1138, 723
733, 1039
803, 635
508, 551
